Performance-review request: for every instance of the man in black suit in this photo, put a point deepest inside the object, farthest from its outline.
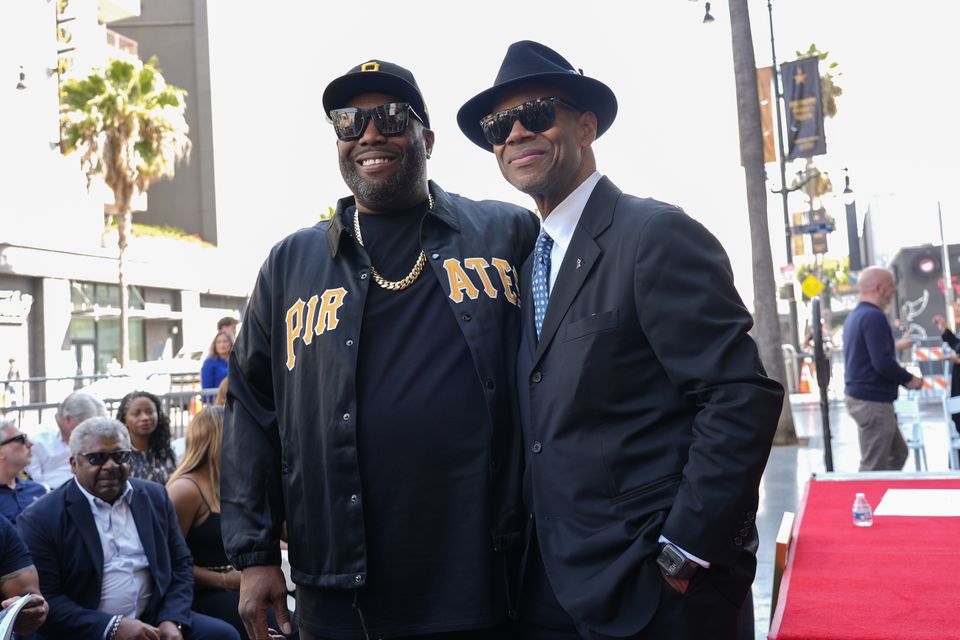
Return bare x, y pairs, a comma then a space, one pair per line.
647, 416
113, 564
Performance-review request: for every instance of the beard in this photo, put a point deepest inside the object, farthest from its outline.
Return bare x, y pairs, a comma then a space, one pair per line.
393, 192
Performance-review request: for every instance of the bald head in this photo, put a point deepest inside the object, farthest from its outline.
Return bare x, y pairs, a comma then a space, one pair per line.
876, 286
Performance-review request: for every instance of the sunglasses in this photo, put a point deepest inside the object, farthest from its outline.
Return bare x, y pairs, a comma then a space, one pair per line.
391, 119
22, 439
99, 458
536, 116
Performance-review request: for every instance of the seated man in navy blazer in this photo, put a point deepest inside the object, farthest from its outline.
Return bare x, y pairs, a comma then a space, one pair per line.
113, 564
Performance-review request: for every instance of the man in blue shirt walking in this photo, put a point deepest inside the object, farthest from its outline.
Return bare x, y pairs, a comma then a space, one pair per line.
872, 374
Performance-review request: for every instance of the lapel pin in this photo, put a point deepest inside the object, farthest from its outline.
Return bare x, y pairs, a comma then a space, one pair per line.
579, 263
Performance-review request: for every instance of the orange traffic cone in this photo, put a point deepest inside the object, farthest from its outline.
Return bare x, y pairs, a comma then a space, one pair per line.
195, 405
805, 378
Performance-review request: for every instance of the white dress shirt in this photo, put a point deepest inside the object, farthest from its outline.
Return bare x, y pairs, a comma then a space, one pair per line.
560, 225
127, 584
51, 458
562, 222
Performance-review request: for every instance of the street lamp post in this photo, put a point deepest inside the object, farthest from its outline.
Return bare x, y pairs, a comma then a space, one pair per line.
783, 191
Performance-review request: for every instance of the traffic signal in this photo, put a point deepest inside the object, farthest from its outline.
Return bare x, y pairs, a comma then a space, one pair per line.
926, 265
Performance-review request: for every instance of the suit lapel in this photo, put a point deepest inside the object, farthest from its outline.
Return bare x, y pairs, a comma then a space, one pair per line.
143, 517
579, 259
79, 511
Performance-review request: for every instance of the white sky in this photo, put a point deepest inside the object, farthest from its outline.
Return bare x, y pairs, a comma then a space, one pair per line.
675, 137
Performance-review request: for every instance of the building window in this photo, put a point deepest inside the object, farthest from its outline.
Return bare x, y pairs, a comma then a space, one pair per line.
95, 326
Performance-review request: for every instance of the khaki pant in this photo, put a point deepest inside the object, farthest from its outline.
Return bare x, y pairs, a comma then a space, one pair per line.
882, 447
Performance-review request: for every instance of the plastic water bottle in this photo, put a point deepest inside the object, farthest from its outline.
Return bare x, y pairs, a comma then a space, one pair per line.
862, 512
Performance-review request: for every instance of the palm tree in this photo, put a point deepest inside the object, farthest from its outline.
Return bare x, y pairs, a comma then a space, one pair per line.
751, 149
129, 126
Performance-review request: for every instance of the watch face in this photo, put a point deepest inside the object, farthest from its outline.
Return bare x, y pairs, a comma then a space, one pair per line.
670, 561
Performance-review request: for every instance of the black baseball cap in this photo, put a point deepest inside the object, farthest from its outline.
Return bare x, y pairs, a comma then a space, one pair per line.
375, 76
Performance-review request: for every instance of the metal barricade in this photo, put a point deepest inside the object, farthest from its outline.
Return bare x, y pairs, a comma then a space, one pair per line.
180, 404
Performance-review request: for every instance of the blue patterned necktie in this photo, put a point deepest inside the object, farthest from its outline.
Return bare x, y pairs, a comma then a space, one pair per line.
541, 278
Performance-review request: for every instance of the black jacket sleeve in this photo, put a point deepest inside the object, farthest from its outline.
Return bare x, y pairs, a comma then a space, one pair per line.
697, 327
951, 339
251, 496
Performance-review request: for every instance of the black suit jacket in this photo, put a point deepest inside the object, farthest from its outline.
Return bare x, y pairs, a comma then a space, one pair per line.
63, 540
645, 411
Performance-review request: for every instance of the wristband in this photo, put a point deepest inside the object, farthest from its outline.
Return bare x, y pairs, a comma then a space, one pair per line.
114, 627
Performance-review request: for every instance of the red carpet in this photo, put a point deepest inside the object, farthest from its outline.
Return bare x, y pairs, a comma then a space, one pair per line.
899, 579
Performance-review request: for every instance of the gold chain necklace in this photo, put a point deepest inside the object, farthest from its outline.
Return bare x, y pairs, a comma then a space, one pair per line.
397, 285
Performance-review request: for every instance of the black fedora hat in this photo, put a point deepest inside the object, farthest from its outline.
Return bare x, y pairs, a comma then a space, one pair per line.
375, 76
529, 62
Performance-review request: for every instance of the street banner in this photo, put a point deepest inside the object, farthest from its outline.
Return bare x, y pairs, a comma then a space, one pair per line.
801, 94
764, 84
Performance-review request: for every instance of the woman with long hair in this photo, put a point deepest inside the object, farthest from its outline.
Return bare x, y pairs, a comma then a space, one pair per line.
194, 489
214, 368
152, 457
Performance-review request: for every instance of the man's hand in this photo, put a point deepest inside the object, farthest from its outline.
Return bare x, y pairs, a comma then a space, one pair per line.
263, 588
33, 614
133, 629
915, 384
678, 585
940, 322
169, 631
903, 343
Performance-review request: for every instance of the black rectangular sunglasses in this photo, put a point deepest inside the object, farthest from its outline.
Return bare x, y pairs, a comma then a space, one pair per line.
99, 458
391, 119
536, 116
21, 438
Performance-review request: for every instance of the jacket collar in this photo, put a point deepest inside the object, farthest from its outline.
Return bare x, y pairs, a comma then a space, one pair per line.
443, 209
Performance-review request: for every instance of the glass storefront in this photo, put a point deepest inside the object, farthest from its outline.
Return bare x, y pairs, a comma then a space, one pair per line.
95, 329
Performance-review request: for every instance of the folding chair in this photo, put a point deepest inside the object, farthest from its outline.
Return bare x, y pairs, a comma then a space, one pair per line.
908, 419
784, 540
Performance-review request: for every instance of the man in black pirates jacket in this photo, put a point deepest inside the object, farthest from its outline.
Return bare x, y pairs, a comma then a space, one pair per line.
647, 417
370, 394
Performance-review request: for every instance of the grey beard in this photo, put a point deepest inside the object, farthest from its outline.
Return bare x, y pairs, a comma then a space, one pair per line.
398, 190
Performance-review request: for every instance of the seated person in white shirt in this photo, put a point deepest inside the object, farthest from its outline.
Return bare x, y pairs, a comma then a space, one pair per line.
113, 564
51, 456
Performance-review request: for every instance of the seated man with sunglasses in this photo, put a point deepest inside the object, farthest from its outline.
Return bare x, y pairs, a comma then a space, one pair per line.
370, 402
113, 564
16, 493
643, 398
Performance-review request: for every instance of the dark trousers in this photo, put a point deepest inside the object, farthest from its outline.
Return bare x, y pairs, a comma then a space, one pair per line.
207, 628
702, 612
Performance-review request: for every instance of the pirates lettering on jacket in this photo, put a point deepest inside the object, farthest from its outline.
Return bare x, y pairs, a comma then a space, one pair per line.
460, 283
301, 316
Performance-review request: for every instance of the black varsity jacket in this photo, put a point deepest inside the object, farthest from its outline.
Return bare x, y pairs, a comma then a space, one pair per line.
289, 444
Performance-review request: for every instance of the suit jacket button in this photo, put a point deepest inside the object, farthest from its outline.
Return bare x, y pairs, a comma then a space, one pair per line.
536, 377
536, 447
